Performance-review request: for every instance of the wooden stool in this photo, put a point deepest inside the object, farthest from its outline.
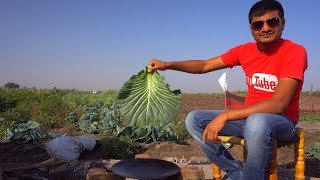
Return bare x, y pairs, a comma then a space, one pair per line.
272, 171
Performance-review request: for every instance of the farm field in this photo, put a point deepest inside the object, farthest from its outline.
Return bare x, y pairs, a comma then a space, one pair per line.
29, 153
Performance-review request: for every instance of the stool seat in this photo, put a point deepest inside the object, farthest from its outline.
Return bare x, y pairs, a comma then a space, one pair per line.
288, 142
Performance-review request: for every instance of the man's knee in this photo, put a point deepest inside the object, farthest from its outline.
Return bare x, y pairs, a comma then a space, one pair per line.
190, 119
257, 124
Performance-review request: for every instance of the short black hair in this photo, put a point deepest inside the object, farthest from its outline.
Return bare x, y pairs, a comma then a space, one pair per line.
263, 6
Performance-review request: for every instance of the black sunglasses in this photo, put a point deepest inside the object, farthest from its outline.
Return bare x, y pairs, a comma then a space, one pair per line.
272, 23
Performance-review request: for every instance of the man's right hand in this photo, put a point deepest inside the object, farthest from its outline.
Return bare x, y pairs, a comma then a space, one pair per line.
155, 64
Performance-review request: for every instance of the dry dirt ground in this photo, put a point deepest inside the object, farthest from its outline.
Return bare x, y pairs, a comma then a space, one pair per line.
27, 154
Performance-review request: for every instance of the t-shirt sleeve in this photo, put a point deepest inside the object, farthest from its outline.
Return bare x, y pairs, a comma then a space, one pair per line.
295, 63
231, 57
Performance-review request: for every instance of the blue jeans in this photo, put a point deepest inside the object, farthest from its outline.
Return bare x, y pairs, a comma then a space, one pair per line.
258, 130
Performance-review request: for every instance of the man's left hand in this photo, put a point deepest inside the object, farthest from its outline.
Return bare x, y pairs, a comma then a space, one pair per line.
213, 128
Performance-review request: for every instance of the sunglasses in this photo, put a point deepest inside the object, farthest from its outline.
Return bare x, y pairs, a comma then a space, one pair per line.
272, 23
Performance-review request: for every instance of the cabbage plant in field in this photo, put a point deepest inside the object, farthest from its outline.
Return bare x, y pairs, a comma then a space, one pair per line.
146, 100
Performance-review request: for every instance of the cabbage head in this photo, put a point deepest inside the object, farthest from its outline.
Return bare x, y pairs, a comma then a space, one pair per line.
146, 100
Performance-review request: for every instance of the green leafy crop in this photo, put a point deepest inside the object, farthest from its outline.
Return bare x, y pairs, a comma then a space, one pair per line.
145, 99
26, 130
314, 149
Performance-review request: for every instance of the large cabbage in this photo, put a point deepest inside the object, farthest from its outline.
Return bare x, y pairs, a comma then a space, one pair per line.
145, 99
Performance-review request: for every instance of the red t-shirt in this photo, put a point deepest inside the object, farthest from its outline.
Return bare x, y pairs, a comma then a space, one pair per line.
263, 70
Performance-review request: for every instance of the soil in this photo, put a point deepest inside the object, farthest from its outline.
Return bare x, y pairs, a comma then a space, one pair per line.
27, 154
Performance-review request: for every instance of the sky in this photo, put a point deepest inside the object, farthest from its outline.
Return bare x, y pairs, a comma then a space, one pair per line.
100, 44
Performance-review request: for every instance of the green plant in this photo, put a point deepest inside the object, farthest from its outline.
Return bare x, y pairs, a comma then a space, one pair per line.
51, 108
145, 99
14, 104
71, 118
310, 118
180, 131
122, 147
75, 99
89, 120
149, 133
26, 130
143, 110
51, 111
308, 93
102, 135
6, 103
43, 106
21, 111
96, 113
314, 149
99, 118
109, 119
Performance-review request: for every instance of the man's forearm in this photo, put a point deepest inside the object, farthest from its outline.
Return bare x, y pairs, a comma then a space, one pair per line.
266, 106
190, 66
197, 66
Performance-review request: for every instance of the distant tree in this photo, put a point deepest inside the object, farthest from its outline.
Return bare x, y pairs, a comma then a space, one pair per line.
11, 86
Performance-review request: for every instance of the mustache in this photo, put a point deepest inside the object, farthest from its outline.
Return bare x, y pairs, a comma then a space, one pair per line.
267, 33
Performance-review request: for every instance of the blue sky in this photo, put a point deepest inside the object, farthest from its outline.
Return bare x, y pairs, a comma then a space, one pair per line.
100, 44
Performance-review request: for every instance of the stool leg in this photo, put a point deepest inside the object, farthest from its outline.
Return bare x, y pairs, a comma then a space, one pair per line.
216, 172
299, 155
272, 171
244, 153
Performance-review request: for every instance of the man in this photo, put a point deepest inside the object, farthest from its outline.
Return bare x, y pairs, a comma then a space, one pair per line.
274, 69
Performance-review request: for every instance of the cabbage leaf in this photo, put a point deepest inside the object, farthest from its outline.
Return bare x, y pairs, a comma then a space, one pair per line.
145, 99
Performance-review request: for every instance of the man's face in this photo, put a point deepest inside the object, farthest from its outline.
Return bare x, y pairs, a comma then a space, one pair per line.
267, 28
